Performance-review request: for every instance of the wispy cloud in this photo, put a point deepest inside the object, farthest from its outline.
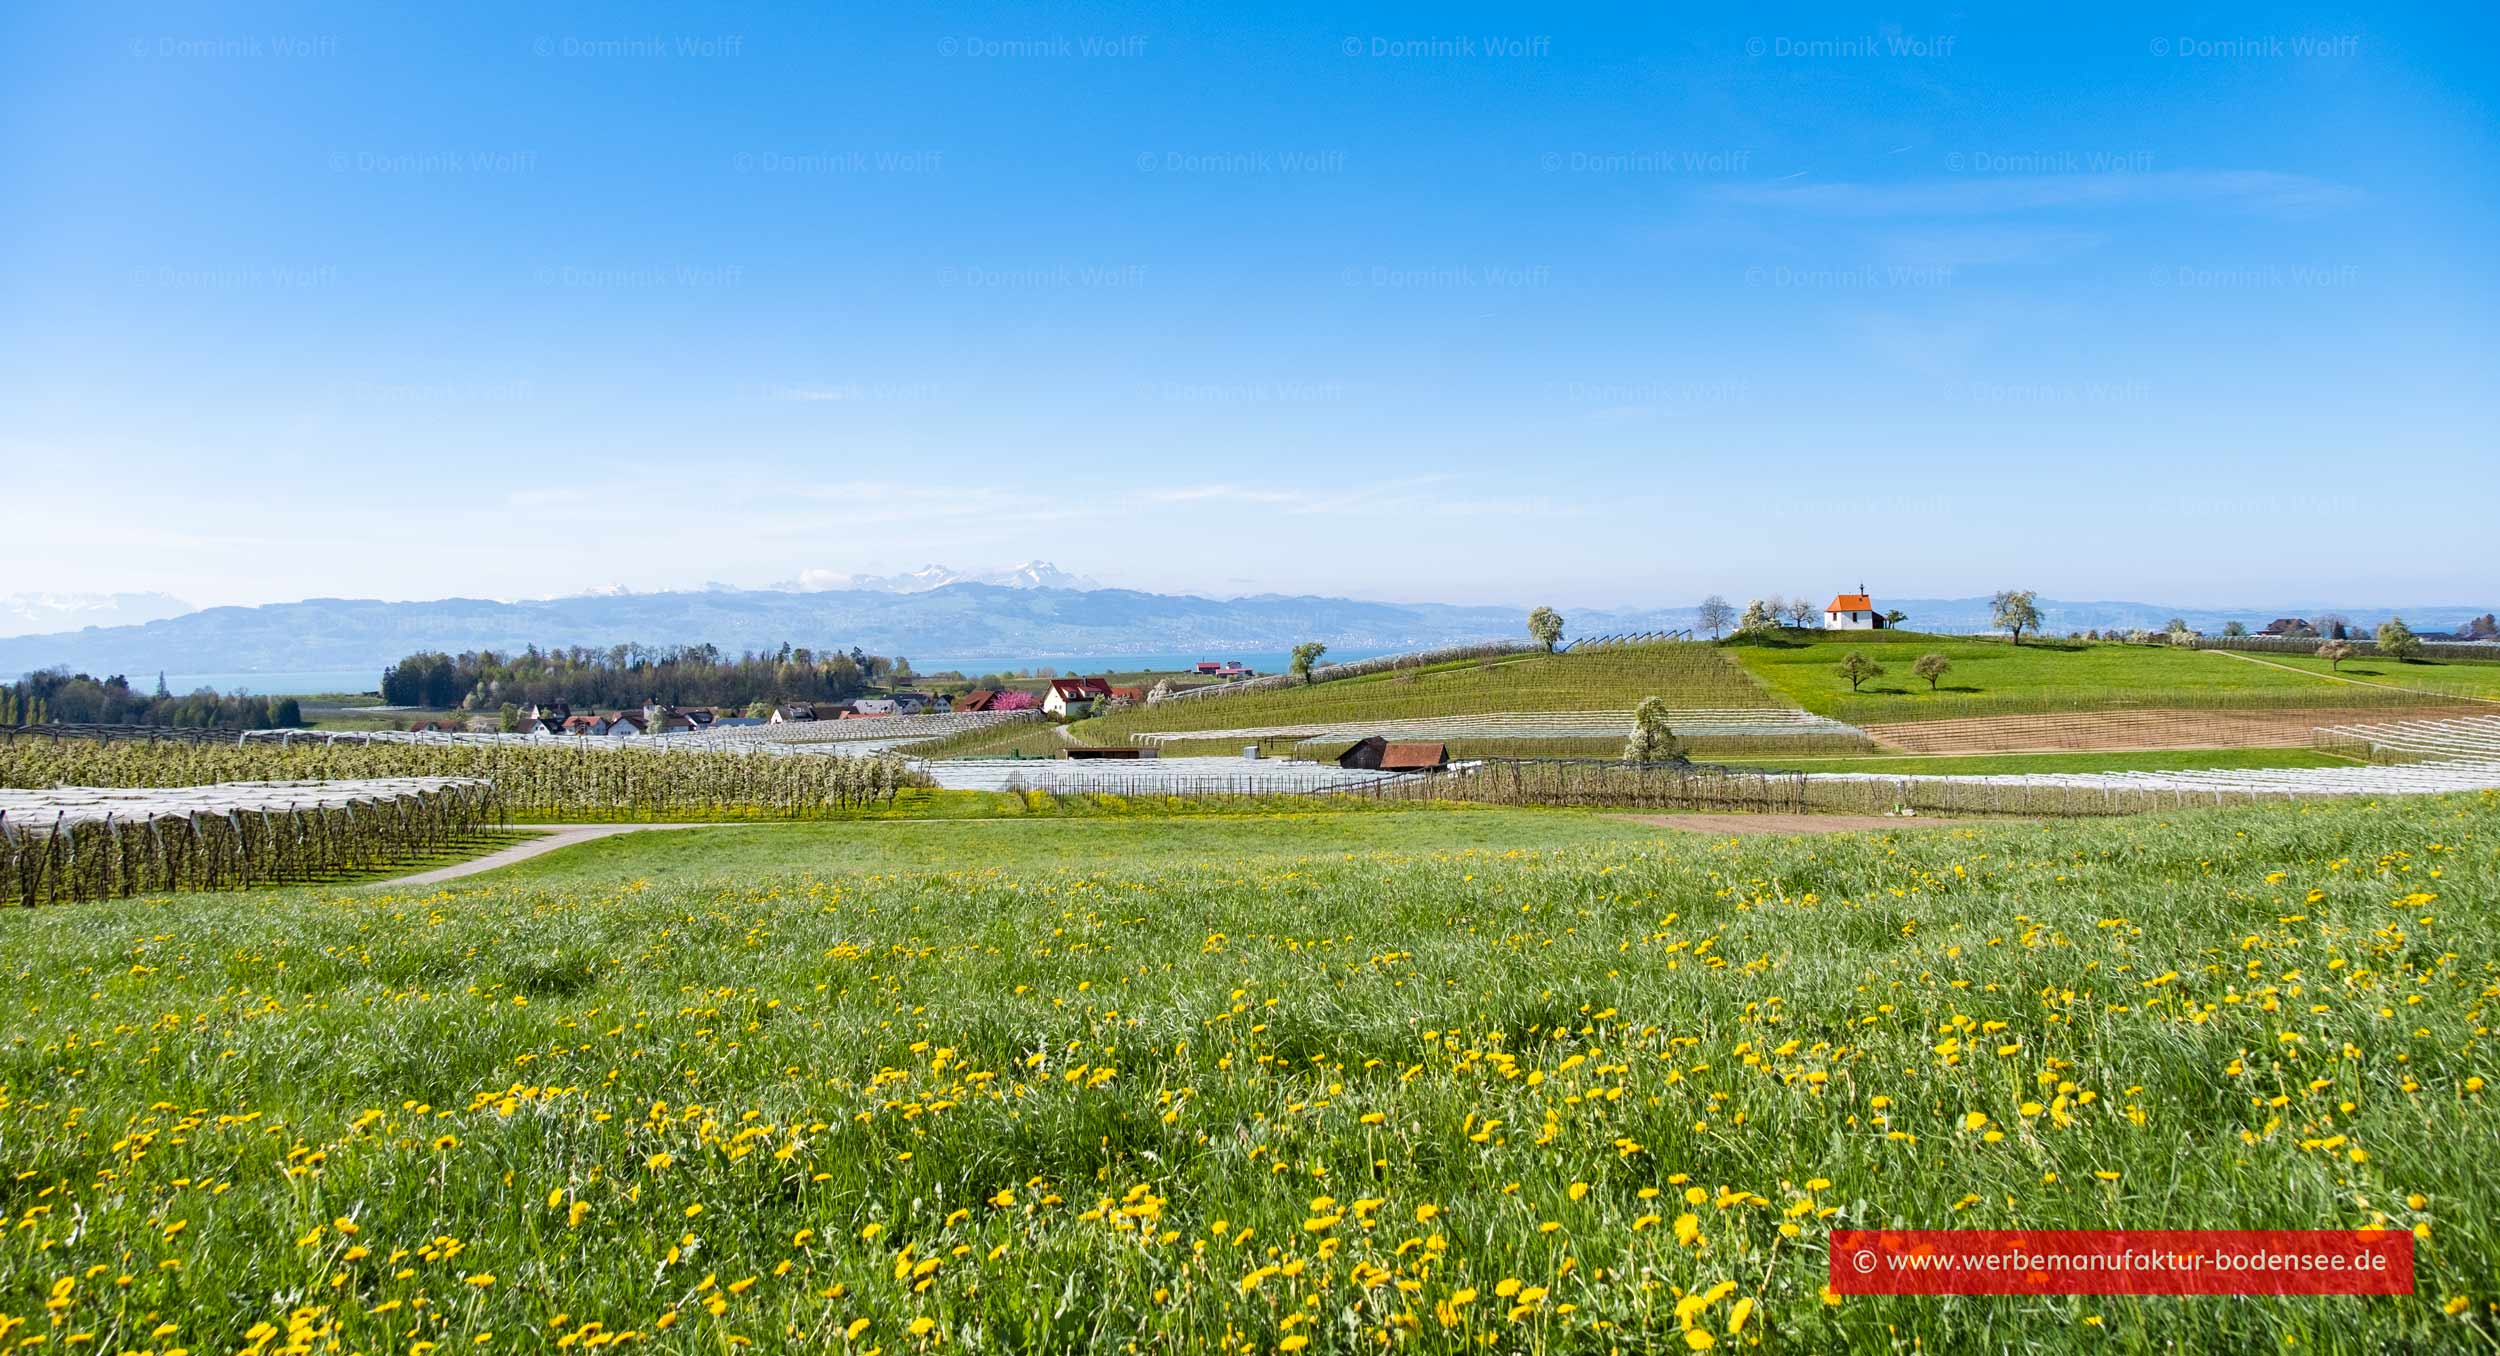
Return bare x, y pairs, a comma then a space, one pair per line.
2257, 190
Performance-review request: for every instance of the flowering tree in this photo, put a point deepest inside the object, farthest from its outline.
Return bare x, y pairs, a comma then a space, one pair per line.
1015, 699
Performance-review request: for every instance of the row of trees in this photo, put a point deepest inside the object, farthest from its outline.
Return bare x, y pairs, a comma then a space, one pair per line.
628, 675
59, 696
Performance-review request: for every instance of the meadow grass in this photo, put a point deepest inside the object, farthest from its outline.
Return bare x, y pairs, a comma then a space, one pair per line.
1801, 667
1428, 1081
2124, 760
1616, 679
2479, 678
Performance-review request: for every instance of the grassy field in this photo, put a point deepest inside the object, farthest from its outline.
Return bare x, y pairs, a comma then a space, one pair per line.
1489, 1081
1990, 676
2139, 760
2445, 677
1690, 675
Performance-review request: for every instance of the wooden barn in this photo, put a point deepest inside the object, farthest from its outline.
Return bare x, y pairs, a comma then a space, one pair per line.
1377, 754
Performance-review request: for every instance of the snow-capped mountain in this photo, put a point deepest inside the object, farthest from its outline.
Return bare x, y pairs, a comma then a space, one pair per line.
35, 614
1032, 574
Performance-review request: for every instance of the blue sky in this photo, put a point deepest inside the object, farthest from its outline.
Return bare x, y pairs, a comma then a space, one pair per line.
1619, 306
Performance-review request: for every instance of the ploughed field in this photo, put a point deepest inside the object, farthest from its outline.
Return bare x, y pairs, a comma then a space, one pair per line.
1435, 1081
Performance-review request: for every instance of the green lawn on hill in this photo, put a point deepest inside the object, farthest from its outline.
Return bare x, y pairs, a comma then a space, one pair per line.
1990, 675
1685, 673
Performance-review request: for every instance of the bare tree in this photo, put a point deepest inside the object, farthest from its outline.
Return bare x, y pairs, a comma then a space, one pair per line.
1802, 611
1715, 614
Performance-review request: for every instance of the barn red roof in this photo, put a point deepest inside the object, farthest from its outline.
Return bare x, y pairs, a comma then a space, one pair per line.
1413, 757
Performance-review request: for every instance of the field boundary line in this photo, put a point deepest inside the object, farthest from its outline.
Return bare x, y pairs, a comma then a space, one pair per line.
2357, 682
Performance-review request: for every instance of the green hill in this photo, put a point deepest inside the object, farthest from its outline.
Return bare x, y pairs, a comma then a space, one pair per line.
1687, 675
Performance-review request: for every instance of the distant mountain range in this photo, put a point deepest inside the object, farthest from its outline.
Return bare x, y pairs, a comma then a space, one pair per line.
30, 614
1032, 574
932, 625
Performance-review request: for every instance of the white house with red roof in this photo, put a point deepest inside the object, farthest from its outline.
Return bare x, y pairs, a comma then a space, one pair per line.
1852, 612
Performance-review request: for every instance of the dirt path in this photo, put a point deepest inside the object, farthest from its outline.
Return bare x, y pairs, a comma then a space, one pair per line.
1784, 825
550, 837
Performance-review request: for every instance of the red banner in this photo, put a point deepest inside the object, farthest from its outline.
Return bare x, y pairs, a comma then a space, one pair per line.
2122, 1262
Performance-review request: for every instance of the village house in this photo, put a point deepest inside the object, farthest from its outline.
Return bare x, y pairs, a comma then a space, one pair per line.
1074, 698
624, 723
871, 706
978, 699
2288, 626
1852, 612
584, 725
792, 712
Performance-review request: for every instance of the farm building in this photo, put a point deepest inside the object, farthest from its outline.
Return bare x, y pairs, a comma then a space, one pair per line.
1073, 697
1852, 612
978, 699
1377, 754
793, 712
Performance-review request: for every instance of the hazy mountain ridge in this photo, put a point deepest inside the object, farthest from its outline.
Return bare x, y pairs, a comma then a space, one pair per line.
30, 614
930, 625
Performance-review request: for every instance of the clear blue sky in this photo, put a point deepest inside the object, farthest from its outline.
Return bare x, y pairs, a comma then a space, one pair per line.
1620, 305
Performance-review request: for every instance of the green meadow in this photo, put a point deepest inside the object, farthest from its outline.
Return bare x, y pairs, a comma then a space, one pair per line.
1420, 1081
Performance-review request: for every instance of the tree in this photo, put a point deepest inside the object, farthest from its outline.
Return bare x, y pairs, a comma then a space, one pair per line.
1305, 655
1857, 667
1895, 617
1715, 614
1758, 617
2234, 629
1652, 740
2017, 610
1545, 627
1162, 692
2335, 652
2333, 625
2397, 641
508, 718
1931, 667
160, 684
1776, 607
2484, 627
1802, 612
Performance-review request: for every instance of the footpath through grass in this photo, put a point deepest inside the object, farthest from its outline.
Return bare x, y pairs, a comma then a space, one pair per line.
1427, 1082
